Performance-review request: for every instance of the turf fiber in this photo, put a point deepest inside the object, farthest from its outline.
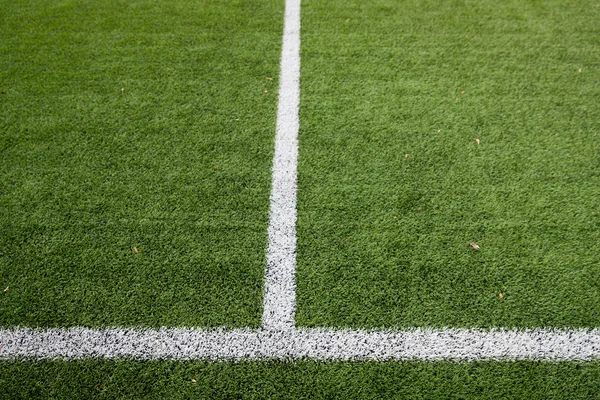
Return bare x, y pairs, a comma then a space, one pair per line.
137, 142
302, 380
148, 205
429, 125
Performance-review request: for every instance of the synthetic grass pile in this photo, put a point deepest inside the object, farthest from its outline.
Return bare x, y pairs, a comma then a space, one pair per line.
274, 380
137, 142
428, 125
136, 145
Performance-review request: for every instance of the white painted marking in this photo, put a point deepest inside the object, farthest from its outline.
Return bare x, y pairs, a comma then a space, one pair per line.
278, 339
314, 344
280, 287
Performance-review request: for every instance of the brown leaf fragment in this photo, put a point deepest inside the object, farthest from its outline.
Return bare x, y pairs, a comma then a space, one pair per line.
5, 290
457, 99
269, 78
420, 209
136, 251
462, 92
500, 296
474, 245
439, 130
193, 380
348, 20
478, 141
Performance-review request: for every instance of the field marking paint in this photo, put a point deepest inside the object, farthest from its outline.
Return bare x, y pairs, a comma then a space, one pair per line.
314, 344
278, 339
280, 287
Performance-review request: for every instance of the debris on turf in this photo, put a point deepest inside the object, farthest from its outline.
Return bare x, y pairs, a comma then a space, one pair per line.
474, 245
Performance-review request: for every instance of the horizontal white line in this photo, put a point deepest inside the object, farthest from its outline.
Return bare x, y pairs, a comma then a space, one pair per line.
317, 344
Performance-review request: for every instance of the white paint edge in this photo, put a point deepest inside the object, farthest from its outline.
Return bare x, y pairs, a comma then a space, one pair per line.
312, 344
279, 300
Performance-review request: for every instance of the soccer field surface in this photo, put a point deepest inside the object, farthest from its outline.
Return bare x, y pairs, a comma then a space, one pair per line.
410, 183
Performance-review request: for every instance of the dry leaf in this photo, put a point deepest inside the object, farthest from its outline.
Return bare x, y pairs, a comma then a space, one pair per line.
463, 92
478, 141
348, 20
266, 91
6, 290
474, 245
269, 79
420, 209
457, 99
406, 156
193, 380
395, 217
500, 296
579, 69
136, 251
438, 131
122, 90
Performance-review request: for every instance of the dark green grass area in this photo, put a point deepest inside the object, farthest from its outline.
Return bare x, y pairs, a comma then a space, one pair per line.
136, 142
393, 184
302, 380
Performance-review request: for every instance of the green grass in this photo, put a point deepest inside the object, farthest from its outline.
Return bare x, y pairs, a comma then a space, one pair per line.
136, 125
392, 183
177, 166
302, 380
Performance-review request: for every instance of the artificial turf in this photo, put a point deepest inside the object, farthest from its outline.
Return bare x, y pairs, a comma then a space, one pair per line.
136, 142
148, 205
426, 125
126, 379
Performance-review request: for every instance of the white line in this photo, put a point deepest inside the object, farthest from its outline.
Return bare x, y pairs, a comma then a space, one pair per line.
314, 344
280, 286
278, 339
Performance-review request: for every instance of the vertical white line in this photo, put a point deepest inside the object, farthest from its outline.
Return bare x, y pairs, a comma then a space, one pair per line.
280, 286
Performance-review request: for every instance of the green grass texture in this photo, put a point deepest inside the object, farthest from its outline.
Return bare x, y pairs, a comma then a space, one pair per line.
137, 143
426, 125
302, 380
